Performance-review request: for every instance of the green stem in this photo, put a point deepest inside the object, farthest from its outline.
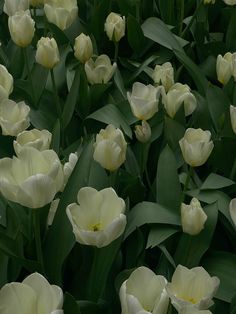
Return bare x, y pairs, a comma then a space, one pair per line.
116, 43
57, 100
181, 16
36, 224
29, 73
232, 173
189, 174
137, 11
192, 20
113, 177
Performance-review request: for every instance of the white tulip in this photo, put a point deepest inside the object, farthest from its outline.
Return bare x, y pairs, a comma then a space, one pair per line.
233, 117
230, 2
99, 71
144, 293
33, 178
193, 288
47, 53
39, 139
33, 295
110, 148
188, 310
164, 75
83, 48
232, 210
14, 117
193, 217
21, 27
99, 218
143, 132
69, 167
61, 12
144, 100
115, 26
177, 95
196, 146
52, 211
6, 83
12, 6
226, 67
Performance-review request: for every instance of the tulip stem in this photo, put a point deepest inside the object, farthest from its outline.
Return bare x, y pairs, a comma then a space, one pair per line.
181, 16
192, 20
36, 223
232, 173
57, 100
29, 73
116, 43
189, 174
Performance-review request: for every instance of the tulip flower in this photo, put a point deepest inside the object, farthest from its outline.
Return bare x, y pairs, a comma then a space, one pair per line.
188, 310
110, 148
232, 210
12, 6
144, 100
193, 217
99, 218
6, 83
226, 67
62, 13
144, 293
47, 53
193, 288
177, 95
21, 27
196, 146
33, 295
83, 48
99, 71
143, 132
115, 26
32, 179
69, 167
233, 117
230, 2
164, 75
14, 117
40, 140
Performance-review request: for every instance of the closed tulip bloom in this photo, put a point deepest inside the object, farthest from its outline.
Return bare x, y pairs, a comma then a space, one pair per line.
6, 83
143, 100
33, 295
193, 288
143, 132
110, 148
233, 117
115, 26
232, 210
62, 13
47, 53
83, 48
12, 6
32, 179
164, 75
226, 67
179, 94
99, 218
144, 293
39, 139
193, 217
99, 71
230, 2
21, 27
196, 146
14, 117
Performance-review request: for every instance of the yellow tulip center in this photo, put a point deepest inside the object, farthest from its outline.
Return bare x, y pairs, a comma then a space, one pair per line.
96, 227
188, 299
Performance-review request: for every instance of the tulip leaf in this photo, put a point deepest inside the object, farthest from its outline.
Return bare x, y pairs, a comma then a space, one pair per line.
223, 265
146, 213
70, 305
159, 234
167, 181
56, 136
135, 35
190, 248
119, 83
215, 181
110, 114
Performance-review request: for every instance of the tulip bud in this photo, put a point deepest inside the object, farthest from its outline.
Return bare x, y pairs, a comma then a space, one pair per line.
193, 217
230, 2
177, 95
83, 48
6, 83
21, 27
100, 71
40, 140
115, 26
232, 210
226, 67
99, 218
233, 117
196, 146
14, 117
69, 167
143, 132
164, 75
110, 148
47, 53
61, 12
13, 6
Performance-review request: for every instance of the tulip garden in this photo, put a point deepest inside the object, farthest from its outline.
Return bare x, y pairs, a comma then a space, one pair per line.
117, 157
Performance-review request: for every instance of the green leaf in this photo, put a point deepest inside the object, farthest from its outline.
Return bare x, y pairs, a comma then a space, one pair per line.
56, 136
230, 34
167, 181
135, 35
146, 213
110, 114
70, 305
159, 234
119, 83
223, 265
215, 181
